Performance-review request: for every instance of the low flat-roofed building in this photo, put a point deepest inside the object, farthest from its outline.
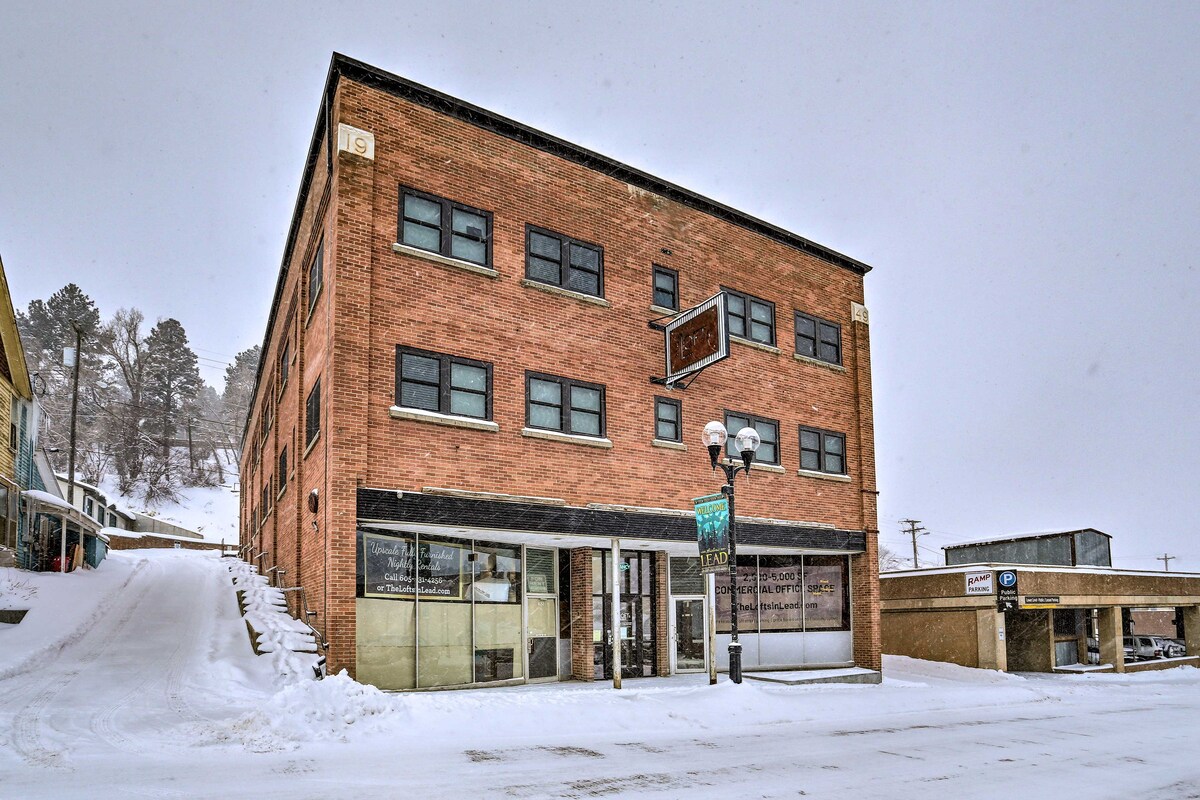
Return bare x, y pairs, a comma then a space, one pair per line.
1036, 617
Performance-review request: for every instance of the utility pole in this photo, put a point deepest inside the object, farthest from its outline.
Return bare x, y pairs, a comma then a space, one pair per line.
1166, 559
914, 530
191, 453
74, 413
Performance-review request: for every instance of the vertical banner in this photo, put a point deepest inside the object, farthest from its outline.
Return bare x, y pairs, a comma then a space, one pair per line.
712, 532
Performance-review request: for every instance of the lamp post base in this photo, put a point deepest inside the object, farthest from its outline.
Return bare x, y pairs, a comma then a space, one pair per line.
735, 662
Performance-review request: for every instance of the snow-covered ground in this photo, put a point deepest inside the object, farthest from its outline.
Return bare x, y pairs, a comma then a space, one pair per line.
211, 511
160, 696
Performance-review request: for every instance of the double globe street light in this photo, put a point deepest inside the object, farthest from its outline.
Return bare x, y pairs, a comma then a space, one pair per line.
747, 440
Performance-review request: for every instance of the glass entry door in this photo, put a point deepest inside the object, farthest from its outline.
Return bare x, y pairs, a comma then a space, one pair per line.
688, 635
634, 632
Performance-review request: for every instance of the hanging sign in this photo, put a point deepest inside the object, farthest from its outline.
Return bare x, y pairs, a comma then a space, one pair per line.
695, 339
712, 532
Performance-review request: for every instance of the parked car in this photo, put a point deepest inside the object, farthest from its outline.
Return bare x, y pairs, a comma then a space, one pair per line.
1144, 647
1170, 648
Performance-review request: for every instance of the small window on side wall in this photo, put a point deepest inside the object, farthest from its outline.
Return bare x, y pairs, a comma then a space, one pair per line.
666, 287
312, 414
316, 276
443, 383
822, 451
668, 420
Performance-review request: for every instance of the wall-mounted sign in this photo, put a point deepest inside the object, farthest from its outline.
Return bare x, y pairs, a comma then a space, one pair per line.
393, 566
979, 583
697, 338
1006, 595
712, 532
1041, 601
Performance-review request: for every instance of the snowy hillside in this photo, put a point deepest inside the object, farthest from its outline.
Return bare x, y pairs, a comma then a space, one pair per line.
210, 511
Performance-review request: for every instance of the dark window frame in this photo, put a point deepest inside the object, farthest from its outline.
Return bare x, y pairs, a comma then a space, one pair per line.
748, 300
312, 417
678, 404
674, 275
753, 419
283, 469
285, 362
816, 339
446, 226
318, 261
565, 267
564, 406
445, 365
822, 435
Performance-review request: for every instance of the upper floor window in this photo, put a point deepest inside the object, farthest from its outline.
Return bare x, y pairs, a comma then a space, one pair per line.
666, 287
668, 420
768, 432
283, 468
315, 277
442, 383
312, 414
749, 317
285, 361
822, 451
559, 260
561, 404
442, 226
819, 339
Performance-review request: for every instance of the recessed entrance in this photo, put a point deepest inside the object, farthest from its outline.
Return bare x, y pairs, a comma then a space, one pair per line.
634, 633
689, 635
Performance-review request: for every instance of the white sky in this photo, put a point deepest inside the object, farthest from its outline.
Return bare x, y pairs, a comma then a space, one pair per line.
1022, 177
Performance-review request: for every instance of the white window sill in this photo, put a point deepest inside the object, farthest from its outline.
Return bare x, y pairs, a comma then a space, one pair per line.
816, 362
664, 311
567, 438
445, 261
825, 476
311, 445
450, 420
561, 292
767, 467
668, 445
756, 345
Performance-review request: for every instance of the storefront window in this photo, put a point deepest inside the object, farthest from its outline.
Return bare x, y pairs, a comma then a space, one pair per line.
747, 574
787, 594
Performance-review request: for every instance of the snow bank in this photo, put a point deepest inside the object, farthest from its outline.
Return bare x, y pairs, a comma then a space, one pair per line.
62, 608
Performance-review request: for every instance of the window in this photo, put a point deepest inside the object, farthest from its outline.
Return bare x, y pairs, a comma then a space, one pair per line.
816, 338
668, 424
265, 500
749, 317
442, 226
285, 360
283, 468
666, 287
560, 404
89, 506
312, 414
768, 431
822, 451
442, 383
562, 261
315, 277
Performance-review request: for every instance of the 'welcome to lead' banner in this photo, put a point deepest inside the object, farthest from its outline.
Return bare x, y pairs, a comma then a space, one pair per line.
712, 532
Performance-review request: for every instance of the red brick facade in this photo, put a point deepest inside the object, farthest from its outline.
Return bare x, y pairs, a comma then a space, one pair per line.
374, 298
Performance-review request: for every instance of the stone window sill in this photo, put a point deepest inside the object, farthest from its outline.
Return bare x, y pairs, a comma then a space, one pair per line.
668, 445
664, 311
445, 261
768, 467
435, 418
567, 438
825, 476
580, 296
308, 448
756, 345
816, 362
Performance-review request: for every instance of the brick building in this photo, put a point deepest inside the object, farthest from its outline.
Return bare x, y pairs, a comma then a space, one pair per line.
454, 427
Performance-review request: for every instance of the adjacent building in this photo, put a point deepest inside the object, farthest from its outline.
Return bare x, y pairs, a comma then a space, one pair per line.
1038, 602
454, 442
18, 425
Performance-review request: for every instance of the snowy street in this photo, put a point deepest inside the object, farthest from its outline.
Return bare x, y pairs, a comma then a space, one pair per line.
161, 696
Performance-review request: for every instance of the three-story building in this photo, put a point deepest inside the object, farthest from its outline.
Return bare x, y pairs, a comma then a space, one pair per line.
454, 426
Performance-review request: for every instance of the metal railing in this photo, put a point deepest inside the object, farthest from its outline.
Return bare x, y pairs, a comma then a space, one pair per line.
304, 614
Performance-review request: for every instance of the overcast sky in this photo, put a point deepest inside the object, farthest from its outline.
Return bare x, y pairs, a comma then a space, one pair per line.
1022, 178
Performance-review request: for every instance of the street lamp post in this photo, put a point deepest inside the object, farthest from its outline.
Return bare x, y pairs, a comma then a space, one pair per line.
748, 441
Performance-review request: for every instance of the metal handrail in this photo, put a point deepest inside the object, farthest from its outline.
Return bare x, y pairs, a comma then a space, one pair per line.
319, 667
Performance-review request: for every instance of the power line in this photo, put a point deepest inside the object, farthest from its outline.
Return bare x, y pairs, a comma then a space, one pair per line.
1166, 559
914, 530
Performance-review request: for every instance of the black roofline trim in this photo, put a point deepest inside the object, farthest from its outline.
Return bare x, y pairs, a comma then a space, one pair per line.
361, 72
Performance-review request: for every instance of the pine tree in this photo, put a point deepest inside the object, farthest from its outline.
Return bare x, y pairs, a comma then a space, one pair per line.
239, 389
172, 383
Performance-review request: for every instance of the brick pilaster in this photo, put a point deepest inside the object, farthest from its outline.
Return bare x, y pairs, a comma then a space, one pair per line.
582, 647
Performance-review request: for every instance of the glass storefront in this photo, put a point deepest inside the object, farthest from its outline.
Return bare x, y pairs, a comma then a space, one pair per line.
787, 594
434, 611
635, 632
